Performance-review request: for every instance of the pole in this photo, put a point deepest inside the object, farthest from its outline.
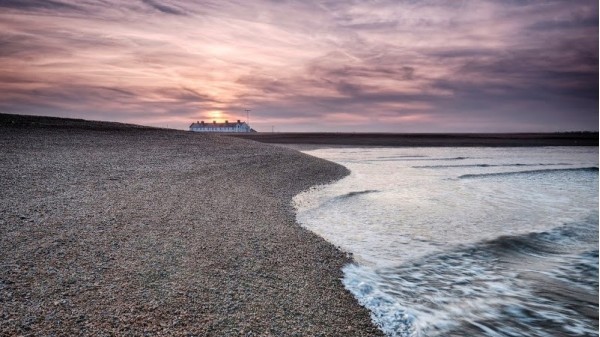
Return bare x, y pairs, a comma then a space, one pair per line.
248, 116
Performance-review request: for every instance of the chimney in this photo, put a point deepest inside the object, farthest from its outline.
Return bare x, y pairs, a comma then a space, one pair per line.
214, 122
238, 121
197, 122
226, 122
202, 122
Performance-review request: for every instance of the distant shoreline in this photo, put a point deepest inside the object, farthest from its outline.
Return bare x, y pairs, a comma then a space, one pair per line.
308, 140
427, 140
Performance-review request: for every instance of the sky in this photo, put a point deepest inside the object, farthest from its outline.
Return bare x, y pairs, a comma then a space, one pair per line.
332, 65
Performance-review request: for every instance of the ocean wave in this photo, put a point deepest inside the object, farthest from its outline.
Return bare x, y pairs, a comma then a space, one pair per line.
401, 156
355, 193
542, 171
539, 284
409, 158
489, 165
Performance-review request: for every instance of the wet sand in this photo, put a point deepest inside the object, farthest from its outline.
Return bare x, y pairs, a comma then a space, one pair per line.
113, 229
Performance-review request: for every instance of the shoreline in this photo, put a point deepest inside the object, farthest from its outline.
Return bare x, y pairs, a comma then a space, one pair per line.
115, 229
319, 140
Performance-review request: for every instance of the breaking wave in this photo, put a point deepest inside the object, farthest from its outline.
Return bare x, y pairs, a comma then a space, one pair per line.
488, 254
353, 194
481, 175
489, 165
538, 284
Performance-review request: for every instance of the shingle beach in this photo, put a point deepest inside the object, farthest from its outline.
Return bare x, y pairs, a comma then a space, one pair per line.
110, 229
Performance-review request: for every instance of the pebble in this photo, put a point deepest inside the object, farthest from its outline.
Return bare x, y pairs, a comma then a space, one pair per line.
195, 237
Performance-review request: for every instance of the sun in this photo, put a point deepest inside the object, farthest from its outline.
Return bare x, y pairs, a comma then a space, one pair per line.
216, 114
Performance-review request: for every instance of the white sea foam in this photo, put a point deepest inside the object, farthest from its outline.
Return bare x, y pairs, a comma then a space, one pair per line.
448, 248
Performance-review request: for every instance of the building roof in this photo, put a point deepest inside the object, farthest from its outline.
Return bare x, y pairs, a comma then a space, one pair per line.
216, 125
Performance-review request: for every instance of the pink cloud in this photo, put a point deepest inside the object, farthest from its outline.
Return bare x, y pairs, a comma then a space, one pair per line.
307, 65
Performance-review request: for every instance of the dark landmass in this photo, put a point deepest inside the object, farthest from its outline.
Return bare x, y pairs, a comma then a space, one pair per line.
112, 229
424, 139
46, 122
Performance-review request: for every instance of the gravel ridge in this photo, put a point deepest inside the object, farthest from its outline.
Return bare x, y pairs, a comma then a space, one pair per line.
140, 231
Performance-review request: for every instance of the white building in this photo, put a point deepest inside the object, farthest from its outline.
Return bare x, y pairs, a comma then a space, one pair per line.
221, 127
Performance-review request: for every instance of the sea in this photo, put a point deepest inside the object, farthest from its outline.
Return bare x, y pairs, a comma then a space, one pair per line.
465, 241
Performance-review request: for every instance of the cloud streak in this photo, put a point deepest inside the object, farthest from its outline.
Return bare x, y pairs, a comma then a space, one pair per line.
393, 66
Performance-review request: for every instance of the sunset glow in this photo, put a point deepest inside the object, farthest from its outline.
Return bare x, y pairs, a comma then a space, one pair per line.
392, 66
